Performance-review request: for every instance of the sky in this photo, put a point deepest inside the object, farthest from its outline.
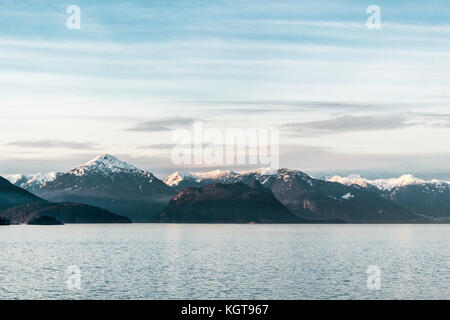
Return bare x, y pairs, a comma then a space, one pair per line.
345, 98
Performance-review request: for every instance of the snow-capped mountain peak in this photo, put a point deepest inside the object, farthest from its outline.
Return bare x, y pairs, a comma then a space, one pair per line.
263, 175
18, 178
42, 178
384, 184
404, 180
263, 171
350, 180
215, 174
32, 182
175, 178
103, 164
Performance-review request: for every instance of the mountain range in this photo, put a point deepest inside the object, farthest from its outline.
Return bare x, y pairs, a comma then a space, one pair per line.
109, 183
309, 198
429, 198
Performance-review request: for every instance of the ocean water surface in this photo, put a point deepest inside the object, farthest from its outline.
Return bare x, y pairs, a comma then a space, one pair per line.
193, 261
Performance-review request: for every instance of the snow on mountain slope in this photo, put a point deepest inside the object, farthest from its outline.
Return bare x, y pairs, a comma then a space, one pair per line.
103, 164
349, 180
42, 178
18, 178
385, 184
389, 184
262, 171
223, 176
215, 174
111, 184
33, 181
264, 176
177, 177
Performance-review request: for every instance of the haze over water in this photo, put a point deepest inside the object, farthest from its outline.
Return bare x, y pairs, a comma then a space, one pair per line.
181, 261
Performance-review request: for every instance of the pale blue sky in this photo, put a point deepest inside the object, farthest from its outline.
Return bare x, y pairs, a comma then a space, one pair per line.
345, 98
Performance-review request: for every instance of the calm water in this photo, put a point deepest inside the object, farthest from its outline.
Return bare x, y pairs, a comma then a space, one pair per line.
161, 261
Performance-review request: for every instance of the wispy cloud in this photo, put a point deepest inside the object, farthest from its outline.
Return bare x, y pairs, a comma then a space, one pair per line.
51, 144
138, 61
157, 146
391, 26
349, 123
162, 124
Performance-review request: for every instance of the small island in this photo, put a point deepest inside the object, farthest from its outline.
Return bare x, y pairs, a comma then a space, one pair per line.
62, 212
